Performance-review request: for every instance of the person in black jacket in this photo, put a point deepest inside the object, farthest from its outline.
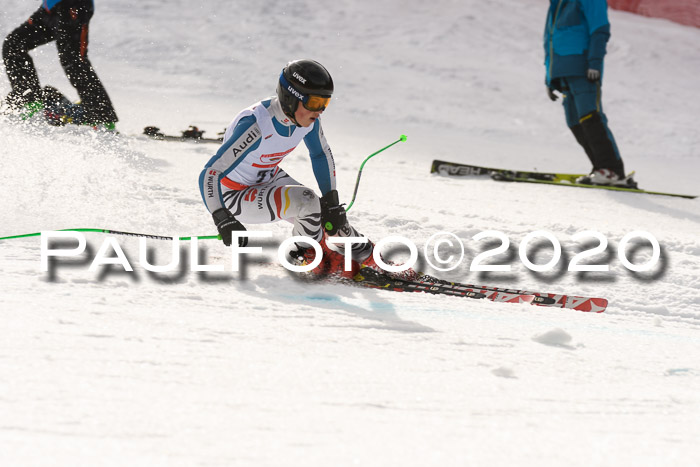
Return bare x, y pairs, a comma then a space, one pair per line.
66, 22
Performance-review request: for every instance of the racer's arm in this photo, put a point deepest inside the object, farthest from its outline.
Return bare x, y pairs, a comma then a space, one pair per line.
321, 158
246, 134
332, 213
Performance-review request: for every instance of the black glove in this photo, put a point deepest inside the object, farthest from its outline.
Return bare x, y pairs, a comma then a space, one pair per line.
332, 213
226, 223
593, 75
550, 93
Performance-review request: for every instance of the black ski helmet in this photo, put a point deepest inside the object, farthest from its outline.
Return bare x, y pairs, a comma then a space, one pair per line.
300, 80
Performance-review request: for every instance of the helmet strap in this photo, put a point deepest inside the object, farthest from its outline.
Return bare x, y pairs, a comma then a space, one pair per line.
294, 113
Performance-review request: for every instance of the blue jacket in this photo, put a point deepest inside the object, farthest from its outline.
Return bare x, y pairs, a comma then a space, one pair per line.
575, 37
49, 4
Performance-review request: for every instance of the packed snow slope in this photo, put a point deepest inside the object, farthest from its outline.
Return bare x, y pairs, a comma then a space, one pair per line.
110, 367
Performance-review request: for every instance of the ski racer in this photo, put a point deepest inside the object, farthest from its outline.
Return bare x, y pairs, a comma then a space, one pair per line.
575, 38
244, 182
66, 22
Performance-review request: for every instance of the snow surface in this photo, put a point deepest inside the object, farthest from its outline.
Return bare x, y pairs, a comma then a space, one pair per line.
256, 368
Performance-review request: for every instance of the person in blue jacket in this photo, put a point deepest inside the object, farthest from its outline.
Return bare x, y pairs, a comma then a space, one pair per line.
575, 39
66, 22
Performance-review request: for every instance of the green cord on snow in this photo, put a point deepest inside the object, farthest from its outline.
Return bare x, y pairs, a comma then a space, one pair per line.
117, 232
328, 225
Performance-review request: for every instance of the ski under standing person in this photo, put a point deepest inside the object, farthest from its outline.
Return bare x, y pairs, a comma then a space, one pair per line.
65, 22
244, 183
575, 38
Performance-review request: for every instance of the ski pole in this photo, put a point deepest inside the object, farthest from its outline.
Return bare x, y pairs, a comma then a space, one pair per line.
117, 232
359, 173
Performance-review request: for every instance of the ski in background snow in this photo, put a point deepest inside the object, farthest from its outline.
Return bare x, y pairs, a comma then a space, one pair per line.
453, 169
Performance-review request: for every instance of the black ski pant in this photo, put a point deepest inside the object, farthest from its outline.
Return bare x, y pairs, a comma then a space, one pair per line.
67, 24
583, 108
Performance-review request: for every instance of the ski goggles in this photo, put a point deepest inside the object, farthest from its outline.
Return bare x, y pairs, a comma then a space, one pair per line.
312, 102
316, 103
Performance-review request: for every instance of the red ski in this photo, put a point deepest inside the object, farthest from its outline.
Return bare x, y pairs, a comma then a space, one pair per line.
428, 284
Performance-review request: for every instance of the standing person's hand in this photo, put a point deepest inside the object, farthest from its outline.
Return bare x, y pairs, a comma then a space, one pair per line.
593, 75
550, 93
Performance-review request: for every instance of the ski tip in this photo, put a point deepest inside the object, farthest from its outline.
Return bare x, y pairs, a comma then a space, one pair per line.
595, 305
587, 305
